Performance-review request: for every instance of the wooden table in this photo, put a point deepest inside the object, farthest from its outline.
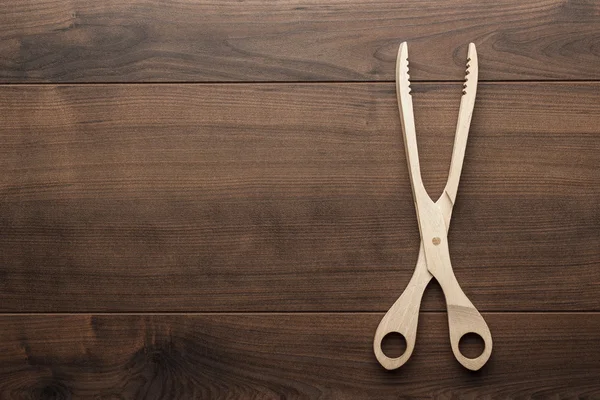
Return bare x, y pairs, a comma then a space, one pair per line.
210, 199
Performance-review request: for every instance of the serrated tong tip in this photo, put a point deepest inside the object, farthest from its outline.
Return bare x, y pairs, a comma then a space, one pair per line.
402, 75
470, 68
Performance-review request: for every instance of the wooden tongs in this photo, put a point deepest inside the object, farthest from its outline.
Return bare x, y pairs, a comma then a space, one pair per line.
434, 221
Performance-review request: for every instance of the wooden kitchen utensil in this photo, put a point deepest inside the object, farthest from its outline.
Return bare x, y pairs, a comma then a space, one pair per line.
434, 221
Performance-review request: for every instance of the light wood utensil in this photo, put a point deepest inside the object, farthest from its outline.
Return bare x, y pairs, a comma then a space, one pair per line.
434, 221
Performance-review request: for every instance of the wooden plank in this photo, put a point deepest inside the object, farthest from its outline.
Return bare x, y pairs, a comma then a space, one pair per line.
294, 40
292, 356
290, 197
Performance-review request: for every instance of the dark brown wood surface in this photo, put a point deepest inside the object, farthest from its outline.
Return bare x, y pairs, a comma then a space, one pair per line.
295, 356
290, 197
209, 200
293, 40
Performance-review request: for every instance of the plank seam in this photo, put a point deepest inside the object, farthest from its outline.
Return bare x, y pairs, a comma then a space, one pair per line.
216, 313
283, 83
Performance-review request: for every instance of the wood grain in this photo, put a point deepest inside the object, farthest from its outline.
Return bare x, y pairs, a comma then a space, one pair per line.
291, 356
290, 197
293, 40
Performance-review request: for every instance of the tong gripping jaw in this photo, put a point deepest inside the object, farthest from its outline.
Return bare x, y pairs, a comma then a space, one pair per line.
407, 120
465, 113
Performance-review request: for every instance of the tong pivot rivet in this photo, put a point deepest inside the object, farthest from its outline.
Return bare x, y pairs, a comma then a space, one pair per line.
436, 240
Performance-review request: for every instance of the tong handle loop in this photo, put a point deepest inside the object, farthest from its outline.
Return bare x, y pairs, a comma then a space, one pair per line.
403, 317
463, 318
